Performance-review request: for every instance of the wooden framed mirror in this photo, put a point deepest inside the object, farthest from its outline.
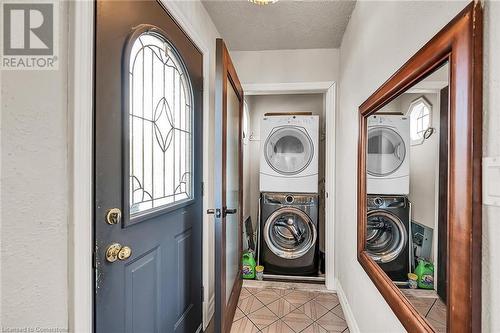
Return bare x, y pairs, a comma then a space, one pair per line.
419, 160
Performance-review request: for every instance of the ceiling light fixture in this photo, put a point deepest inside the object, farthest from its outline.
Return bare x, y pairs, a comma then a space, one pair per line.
263, 2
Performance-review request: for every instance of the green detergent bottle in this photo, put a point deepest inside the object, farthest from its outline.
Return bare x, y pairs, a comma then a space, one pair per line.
248, 265
425, 273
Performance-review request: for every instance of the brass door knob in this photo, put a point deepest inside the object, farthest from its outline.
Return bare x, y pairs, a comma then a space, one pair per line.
117, 251
112, 252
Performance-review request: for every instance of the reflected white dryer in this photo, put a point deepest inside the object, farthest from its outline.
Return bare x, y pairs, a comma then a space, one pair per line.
388, 155
289, 154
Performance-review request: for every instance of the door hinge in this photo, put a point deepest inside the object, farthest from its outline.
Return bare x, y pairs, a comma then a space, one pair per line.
202, 189
202, 294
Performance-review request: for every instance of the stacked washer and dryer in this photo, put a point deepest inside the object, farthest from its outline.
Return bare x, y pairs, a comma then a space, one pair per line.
388, 185
289, 195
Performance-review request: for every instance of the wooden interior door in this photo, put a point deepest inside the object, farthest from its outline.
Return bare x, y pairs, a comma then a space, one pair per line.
148, 171
228, 189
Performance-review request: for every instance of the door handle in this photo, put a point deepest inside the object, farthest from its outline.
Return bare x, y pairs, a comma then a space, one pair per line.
214, 211
117, 251
227, 211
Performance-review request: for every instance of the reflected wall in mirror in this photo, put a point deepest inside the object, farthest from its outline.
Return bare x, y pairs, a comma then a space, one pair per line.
419, 182
406, 168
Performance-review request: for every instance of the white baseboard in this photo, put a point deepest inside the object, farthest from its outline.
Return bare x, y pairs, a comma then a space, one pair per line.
349, 316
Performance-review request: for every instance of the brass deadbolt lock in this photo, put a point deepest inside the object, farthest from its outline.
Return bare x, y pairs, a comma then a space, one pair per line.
114, 216
117, 251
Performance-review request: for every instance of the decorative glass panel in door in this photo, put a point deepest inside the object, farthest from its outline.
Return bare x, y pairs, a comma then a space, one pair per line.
232, 189
160, 125
289, 150
386, 151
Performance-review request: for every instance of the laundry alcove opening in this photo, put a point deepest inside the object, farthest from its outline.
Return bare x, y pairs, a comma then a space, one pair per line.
287, 220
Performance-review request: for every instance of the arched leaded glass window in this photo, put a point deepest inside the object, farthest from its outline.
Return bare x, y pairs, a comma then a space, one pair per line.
160, 125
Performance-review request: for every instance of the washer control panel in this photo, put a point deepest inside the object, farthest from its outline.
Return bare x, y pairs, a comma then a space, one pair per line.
290, 199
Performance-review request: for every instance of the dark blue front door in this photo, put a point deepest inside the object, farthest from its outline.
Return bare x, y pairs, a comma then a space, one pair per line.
148, 171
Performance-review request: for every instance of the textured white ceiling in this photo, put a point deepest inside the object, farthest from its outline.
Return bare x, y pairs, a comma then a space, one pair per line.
283, 25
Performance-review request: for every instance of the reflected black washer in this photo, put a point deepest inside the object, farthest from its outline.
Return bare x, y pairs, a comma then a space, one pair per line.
387, 234
289, 234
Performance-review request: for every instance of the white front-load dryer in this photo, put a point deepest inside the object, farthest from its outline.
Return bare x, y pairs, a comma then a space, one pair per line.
289, 154
388, 155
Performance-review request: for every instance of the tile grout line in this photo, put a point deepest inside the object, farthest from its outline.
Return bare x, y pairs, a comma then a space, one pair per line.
429, 311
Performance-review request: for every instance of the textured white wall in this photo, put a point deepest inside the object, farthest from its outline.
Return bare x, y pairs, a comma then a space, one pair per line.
34, 236
380, 37
491, 147
285, 66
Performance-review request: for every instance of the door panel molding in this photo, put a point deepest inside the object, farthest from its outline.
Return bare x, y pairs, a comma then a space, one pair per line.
148, 263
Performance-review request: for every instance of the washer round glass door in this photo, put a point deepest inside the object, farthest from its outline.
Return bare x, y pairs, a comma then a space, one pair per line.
386, 236
386, 151
288, 150
289, 233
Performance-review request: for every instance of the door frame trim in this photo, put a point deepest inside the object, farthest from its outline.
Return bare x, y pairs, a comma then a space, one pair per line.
328, 89
80, 136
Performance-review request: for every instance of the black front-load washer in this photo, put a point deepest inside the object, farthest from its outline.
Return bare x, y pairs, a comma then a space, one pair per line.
289, 234
387, 234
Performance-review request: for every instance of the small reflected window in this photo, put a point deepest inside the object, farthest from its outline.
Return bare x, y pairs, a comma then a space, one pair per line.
420, 119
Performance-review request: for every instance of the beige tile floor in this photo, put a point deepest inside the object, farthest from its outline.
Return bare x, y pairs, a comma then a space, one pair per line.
430, 307
287, 308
